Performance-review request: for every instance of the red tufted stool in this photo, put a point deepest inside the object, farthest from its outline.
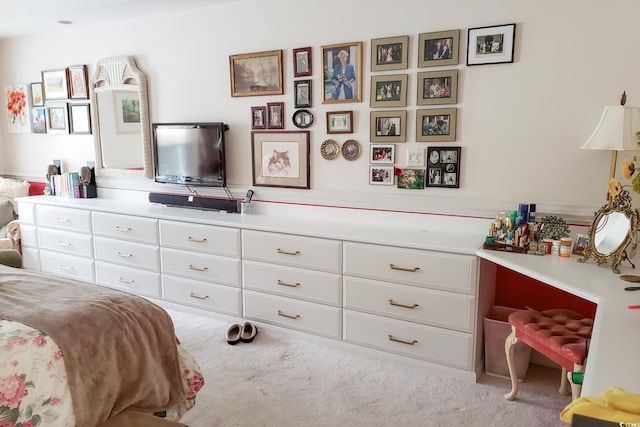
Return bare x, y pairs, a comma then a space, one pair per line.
559, 334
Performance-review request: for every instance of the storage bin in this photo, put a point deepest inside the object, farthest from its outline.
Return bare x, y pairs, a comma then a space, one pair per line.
496, 331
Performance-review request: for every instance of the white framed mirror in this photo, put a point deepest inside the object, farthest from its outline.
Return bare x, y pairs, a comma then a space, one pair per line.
120, 114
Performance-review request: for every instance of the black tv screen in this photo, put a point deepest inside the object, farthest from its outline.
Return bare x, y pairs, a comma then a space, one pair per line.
190, 153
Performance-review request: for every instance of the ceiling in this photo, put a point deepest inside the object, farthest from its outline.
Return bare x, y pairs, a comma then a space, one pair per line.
23, 17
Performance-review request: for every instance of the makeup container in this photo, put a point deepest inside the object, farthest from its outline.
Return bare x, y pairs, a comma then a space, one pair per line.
565, 247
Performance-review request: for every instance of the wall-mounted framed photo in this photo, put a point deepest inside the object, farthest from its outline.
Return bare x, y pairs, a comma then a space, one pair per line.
388, 126
443, 167
302, 118
77, 80
37, 99
390, 53
275, 115
389, 90
381, 175
79, 119
57, 118
491, 45
258, 117
411, 179
280, 159
302, 62
302, 93
438, 124
339, 121
438, 48
438, 87
39, 120
257, 73
382, 153
127, 106
342, 69
54, 84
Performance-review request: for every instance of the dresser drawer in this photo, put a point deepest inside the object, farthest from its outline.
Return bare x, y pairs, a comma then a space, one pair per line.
223, 299
28, 235
128, 253
411, 266
78, 220
316, 286
126, 227
442, 346
128, 279
66, 242
304, 316
432, 307
67, 266
211, 268
296, 251
201, 238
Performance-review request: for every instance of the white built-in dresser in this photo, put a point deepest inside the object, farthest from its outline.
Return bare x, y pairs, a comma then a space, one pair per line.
409, 293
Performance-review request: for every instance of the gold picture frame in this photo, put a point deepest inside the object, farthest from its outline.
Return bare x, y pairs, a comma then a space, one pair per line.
389, 90
342, 82
388, 126
256, 74
436, 124
280, 159
390, 53
438, 48
437, 87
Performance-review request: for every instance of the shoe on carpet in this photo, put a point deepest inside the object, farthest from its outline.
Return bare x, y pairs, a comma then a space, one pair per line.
249, 332
234, 333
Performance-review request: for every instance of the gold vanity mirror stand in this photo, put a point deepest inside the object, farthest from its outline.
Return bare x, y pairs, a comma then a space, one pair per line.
612, 235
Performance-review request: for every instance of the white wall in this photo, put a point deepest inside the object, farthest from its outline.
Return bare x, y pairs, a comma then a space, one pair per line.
520, 125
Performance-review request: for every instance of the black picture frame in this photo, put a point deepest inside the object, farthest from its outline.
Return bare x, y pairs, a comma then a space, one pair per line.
302, 93
443, 167
491, 45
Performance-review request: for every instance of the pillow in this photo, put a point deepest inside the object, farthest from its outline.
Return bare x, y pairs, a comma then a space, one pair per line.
11, 188
6, 216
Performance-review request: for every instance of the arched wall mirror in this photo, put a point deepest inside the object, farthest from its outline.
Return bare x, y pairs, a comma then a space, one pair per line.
121, 119
612, 235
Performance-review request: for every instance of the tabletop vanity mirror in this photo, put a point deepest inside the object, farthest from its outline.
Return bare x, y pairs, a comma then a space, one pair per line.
121, 119
612, 235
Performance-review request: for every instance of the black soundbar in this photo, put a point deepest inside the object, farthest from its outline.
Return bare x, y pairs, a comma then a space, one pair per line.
197, 202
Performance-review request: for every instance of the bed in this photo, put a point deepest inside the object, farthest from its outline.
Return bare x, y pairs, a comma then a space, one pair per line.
78, 354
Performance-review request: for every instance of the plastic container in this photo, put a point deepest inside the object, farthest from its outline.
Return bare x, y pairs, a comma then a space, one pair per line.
496, 331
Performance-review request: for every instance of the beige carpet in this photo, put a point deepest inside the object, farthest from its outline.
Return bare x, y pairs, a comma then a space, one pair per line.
283, 381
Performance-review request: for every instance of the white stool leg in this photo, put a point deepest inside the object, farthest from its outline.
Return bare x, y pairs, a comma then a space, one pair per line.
509, 348
564, 384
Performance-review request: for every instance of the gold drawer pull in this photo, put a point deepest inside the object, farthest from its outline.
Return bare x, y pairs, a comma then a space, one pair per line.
120, 254
191, 267
293, 285
392, 338
395, 267
65, 267
397, 304
192, 295
281, 251
191, 239
125, 229
280, 313
63, 244
128, 282
62, 220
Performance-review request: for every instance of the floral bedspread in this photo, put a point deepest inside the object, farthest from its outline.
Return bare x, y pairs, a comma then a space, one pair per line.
33, 382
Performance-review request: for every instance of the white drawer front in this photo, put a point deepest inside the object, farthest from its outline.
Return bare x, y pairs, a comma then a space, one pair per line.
67, 266
437, 308
201, 238
293, 282
304, 316
69, 243
305, 252
411, 266
445, 347
128, 279
128, 253
28, 235
27, 213
212, 268
135, 228
223, 299
78, 220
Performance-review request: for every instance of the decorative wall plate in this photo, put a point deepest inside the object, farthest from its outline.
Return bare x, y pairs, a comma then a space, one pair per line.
329, 149
351, 149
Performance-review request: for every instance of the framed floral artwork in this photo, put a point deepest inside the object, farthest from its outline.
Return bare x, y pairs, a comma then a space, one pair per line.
17, 108
280, 159
411, 179
258, 73
54, 84
342, 69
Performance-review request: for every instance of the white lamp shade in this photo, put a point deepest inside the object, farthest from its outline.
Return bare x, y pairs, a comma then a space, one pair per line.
617, 130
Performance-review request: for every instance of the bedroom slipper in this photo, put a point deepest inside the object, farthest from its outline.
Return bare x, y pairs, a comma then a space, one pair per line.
249, 332
233, 334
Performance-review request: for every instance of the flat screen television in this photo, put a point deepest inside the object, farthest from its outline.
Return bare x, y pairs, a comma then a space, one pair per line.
190, 153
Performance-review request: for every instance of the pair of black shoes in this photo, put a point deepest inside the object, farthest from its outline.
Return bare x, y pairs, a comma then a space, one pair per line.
244, 333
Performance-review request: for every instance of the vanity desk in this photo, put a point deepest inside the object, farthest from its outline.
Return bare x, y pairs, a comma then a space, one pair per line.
614, 352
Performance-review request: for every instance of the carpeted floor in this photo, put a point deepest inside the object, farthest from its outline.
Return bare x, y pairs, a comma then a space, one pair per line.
284, 381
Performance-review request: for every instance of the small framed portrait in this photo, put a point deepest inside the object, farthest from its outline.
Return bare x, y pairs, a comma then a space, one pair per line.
389, 90
77, 80
37, 99
415, 157
388, 126
436, 125
339, 121
580, 245
411, 179
79, 119
491, 45
437, 87
381, 175
438, 49
280, 159
389, 53
39, 120
342, 69
302, 93
443, 167
302, 62
54, 84
258, 73
302, 118
275, 115
258, 117
57, 119
382, 153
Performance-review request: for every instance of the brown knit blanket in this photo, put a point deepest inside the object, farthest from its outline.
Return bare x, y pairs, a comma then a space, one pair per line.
119, 349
